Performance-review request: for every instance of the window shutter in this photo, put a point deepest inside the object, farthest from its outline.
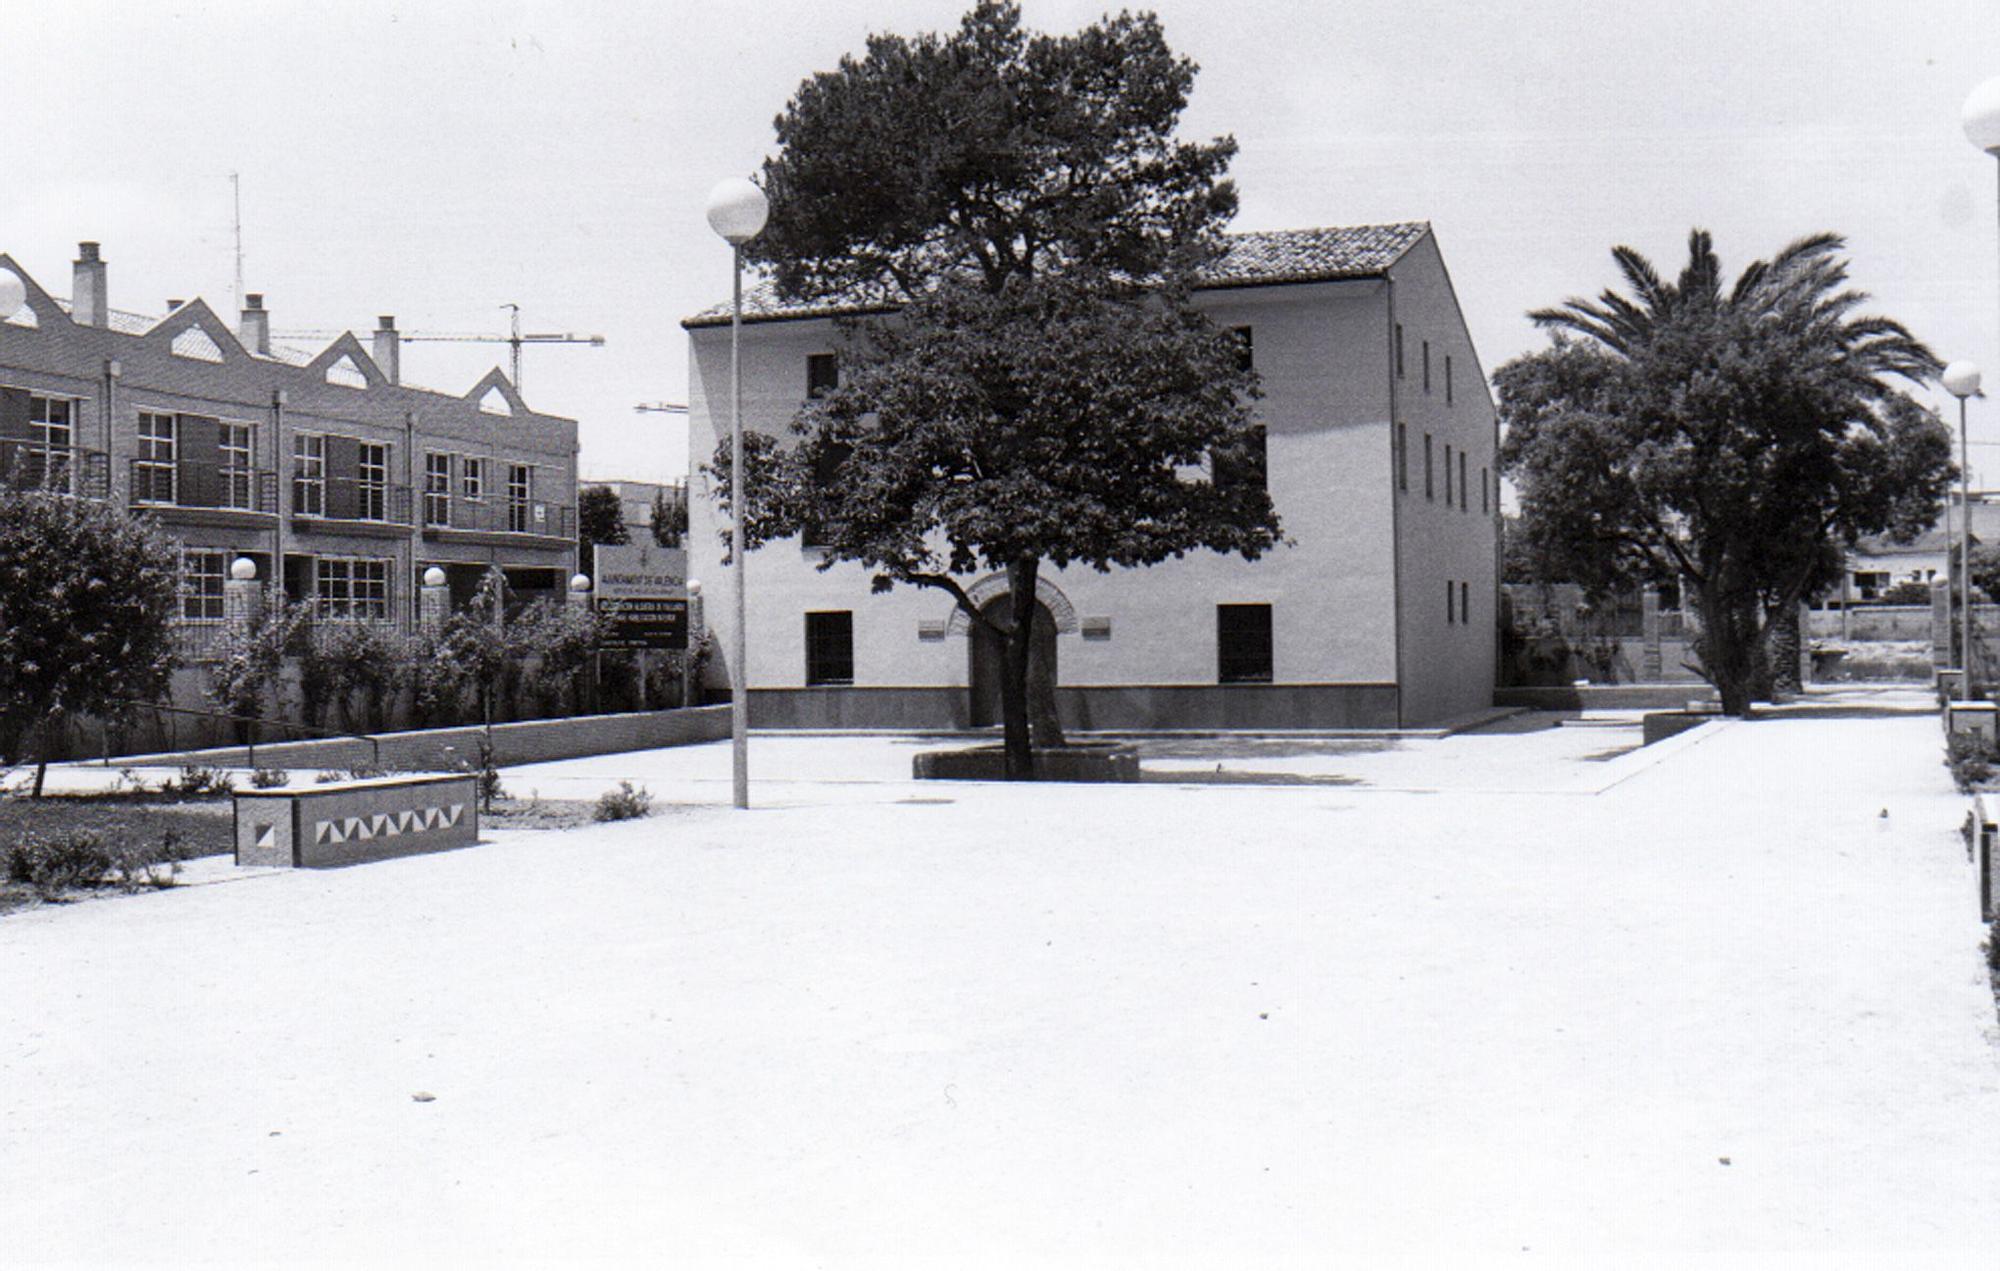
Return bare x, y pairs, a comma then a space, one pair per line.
343, 472
14, 414
197, 437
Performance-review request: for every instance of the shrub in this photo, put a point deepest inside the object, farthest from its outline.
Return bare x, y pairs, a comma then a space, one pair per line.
55, 863
197, 780
625, 803
1970, 757
270, 778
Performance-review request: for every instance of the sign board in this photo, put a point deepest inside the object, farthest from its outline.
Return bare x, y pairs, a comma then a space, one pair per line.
642, 590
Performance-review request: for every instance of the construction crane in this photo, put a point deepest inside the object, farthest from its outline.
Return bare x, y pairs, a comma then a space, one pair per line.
515, 338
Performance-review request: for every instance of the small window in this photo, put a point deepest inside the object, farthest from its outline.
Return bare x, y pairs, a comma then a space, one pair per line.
1450, 603
1430, 488
830, 647
822, 374
1243, 644
1465, 602
1464, 503
1402, 456
472, 478
155, 476
1447, 380
1245, 465
1399, 350
1246, 349
308, 474
350, 590
437, 489
1484, 506
371, 488
520, 495
1447, 474
1427, 366
202, 572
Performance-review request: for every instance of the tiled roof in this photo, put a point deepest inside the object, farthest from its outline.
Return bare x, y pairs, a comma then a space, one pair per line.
122, 321
1256, 259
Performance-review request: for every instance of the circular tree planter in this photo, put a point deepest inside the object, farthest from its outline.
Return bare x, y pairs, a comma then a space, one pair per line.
1089, 761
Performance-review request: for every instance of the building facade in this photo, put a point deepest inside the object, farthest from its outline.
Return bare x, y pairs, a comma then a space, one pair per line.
338, 481
1380, 440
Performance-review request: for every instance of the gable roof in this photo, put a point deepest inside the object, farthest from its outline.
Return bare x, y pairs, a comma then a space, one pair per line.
1264, 258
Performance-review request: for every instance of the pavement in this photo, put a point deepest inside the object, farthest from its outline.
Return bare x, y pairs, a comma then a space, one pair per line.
1522, 995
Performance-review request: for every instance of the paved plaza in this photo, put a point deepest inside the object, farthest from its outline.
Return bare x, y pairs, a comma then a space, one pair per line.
1526, 995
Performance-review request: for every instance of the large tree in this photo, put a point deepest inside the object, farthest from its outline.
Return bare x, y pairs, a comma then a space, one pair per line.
1735, 436
1046, 393
87, 599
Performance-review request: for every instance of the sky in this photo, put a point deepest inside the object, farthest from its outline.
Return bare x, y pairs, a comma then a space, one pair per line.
438, 161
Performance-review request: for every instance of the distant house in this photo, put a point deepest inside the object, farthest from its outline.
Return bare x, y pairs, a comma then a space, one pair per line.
1379, 443
338, 481
1877, 564
637, 499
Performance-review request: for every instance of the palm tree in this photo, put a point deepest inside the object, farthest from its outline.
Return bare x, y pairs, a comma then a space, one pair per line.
1758, 416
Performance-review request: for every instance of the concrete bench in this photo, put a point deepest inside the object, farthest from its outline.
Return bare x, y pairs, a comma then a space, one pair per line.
1981, 832
348, 822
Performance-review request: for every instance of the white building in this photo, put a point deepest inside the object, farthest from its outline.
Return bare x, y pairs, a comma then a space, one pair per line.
1380, 612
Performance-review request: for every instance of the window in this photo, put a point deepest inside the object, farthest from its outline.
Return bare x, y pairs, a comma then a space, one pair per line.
1402, 456
154, 475
1484, 507
308, 474
1430, 490
234, 446
1447, 379
1465, 602
830, 647
1464, 503
1447, 474
826, 467
1246, 349
51, 428
437, 489
520, 489
1427, 366
371, 488
350, 590
472, 478
202, 572
1245, 464
1243, 644
1399, 350
822, 374
1450, 602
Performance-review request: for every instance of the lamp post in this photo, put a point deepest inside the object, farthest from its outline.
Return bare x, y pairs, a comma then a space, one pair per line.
1961, 380
737, 210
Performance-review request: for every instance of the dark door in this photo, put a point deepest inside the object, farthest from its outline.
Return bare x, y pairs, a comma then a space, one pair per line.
989, 654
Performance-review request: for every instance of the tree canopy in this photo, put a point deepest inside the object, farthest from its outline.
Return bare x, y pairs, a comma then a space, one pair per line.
1046, 391
1736, 437
87, 603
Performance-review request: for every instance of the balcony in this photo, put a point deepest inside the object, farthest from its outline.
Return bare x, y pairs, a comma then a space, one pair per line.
31, 465
211, 492
346, 505
448, 516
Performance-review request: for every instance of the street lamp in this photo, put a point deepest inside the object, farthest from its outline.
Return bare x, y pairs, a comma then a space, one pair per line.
1961, 380
737, 210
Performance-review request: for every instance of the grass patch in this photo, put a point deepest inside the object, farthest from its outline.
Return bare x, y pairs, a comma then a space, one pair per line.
127, 825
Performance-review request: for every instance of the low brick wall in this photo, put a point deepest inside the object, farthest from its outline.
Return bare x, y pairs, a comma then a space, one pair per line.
1604, 697
440, 749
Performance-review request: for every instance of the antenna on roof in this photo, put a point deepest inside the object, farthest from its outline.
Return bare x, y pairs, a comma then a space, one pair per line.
236, 196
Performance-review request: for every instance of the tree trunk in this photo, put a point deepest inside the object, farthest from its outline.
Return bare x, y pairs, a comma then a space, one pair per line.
1730, 648
1044, 725
1784, 641
1014, 671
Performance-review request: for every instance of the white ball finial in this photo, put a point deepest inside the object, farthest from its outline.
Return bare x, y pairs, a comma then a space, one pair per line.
737, 210
243, 569
13, 294
434, 577
1981, 116
694, 587
579, 582
1961, 380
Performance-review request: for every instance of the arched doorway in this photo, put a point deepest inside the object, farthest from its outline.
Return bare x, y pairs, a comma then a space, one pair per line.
989, 654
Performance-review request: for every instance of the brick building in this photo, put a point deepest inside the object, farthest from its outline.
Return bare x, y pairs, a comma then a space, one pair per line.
335, 478
1380, 439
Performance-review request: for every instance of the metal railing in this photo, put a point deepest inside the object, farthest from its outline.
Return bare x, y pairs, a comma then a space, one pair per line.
499, 516
33, 465
179, 483
349, 499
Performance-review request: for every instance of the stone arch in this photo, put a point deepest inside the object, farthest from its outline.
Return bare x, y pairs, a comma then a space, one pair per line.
1061, 611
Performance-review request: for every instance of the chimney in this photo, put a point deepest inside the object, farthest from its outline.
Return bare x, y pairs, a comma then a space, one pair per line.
89, 306
255, 329
174, 302
389, 348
